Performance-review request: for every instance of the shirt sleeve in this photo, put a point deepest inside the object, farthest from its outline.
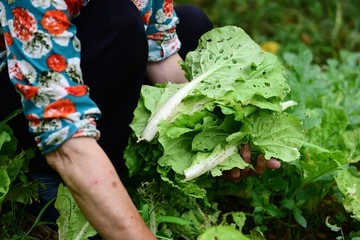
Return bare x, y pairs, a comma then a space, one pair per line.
160, 22
43, 58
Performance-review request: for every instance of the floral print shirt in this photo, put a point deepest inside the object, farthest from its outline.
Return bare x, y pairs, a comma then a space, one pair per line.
42, 53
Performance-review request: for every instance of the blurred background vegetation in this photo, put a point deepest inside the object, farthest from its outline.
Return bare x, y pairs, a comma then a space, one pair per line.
325, 26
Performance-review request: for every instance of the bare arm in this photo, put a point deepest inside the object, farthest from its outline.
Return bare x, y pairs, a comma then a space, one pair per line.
167, 70
98, 190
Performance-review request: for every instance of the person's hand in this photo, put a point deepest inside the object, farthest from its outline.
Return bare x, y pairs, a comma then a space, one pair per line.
236, 174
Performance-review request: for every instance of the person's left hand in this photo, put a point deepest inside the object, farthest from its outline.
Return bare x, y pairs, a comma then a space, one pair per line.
236, 174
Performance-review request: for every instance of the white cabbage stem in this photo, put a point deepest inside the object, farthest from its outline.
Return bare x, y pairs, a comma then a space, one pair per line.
211, 162
166, 111
287, 104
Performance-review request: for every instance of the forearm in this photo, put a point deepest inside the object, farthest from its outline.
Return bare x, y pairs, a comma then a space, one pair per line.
167, 70
96, 187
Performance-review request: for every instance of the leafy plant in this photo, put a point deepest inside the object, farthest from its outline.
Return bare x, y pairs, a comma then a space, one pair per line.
326, 27
72, 224
15, 188
234, 97
294, 201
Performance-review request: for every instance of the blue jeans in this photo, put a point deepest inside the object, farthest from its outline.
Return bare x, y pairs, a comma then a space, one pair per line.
49, 185
47, 192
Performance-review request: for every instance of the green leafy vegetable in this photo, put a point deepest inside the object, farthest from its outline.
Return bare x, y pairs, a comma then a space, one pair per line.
349, 185
223, 56
234, 96
72, 223
222, 233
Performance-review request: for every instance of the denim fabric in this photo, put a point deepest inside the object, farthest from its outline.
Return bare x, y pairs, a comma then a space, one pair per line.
49, 185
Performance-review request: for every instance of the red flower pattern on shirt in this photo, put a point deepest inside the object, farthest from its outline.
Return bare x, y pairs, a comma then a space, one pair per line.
34, 120
146, 17
27, 91
8, 38
56, 62
140, 4
15, 72
24, 24
59, 109
168, 8
78, 90
73, 6
55, 21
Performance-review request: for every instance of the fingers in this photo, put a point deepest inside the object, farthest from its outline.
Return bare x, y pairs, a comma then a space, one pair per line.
233, 175
236, 174
246, 155
273, 164
260, 165
246, 152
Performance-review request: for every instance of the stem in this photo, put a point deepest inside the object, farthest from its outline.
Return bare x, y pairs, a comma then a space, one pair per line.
212, 161
11, 116
287, 104
82, 231
338, 21
152, 224
313, 146
150, 130
38, 218
165, 111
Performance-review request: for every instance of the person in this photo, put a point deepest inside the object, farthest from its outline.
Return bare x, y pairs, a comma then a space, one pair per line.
78, 66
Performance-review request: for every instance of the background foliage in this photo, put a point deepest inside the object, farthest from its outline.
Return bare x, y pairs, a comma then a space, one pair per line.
325, 26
